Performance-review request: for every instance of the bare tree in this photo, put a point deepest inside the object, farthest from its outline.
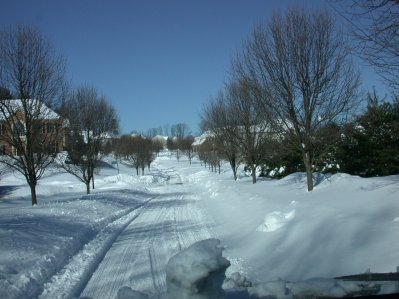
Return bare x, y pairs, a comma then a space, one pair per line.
127, 149
253, 126
209, 152
147, 155
154, 132
179, 130
374, 25
31, 70
186, 146
217, 119
301, 64
158, 144
91, 120
137, 151
165, 129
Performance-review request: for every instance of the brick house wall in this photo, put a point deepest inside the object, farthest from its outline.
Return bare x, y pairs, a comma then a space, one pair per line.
48, 127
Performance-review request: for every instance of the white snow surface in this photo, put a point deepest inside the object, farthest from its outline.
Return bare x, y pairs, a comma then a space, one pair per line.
124, 233
197, 272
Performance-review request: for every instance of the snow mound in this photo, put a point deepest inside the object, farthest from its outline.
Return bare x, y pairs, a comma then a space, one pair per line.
318, 287
275, 220
272, 289
197, 272
236, 281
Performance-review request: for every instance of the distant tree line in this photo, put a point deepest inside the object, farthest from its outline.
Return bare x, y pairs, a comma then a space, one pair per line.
137, 151
180, 142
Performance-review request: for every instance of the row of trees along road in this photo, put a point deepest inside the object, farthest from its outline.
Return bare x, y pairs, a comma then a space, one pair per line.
34, 73
136, 150
181, 141
292, 80
302, 125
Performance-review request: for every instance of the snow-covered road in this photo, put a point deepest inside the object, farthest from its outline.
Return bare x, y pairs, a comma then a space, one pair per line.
123, 234
139, 250
138, 256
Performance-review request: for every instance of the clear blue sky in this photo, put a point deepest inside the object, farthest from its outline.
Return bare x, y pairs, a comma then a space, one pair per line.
157, 61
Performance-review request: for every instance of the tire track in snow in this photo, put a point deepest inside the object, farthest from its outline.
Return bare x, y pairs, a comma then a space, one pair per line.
71, 279
133, 257
138, 256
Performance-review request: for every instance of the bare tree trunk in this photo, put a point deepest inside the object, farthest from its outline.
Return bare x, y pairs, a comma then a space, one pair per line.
88, 187
253, 173
233, 166
235, 174
33, 194
309, 171
92, 181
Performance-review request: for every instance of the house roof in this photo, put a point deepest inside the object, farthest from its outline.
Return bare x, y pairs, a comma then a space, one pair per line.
12, 106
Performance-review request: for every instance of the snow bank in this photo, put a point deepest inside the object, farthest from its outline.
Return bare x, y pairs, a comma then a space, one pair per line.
275, 220
197, 272
313, 288
272, 289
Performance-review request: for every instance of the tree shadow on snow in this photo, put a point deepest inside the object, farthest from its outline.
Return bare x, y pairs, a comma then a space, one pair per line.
6, 190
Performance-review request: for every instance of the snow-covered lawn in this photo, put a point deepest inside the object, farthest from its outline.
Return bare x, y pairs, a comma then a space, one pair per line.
124, 232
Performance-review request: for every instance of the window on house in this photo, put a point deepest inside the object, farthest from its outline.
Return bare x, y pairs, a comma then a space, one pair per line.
52, 147
19, 149
3, 149
19, 129
50, 128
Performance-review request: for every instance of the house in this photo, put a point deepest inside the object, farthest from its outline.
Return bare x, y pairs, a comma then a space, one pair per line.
45, 125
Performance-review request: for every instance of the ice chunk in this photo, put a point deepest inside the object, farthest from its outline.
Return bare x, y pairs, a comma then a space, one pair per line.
272, 289
197, 272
